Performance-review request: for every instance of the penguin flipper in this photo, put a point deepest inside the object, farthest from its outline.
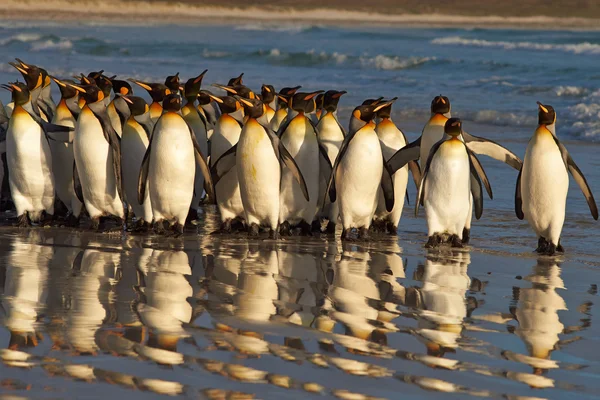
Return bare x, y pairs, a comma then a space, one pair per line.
410, 152
492, 149
143, 176
77, 183
52, 131
223, 164
203, 164
2, 145
148, 128
421, 191
286, 159
407, 198
283, 127
480, 171
476, 191
415, 171
331, 190
518, 198
325, 172
387, 184
45, 107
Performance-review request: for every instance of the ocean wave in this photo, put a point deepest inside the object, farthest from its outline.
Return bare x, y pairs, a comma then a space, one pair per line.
501, 118
62, 44
305, 59
23, 37
292, 28
575, 48
571, 91
389, 63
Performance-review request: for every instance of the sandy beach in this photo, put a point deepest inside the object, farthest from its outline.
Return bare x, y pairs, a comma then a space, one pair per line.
464, 13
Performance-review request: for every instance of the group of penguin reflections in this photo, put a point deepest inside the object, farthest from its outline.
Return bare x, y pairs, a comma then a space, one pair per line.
277, 160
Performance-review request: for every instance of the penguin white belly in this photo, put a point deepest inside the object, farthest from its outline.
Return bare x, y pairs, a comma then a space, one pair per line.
331, 138
94, 160
172, 169
447, 189
432, 133
62, 163
30, 166
134, 143
259, 175
544, 186
278, 118
8, 109
190, 114
358, 177
229, 200
301, 141
391, 141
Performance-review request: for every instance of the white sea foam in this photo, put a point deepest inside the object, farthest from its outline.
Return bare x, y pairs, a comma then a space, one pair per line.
21, 37
502, 118
44, 45
570, 91
289, 28
393, 63
576, 48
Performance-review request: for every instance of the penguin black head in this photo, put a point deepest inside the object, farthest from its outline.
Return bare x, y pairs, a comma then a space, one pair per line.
319, 101
253, 108
95, 74
20, 92
66, 91
364, 114
331, 98
239, 90
284, 96
236, 81
440, 105
372, 102
204, 98
32, 74
137, 105
267, 93
102, 81
90, 93
85, 80
192, 86
546, 114
304, 102
386, 111
172, 103
157, 91
227, 104
172, 82
121, 87
453, 127
45, 78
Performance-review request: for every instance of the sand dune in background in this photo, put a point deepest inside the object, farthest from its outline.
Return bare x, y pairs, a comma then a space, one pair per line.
189, 13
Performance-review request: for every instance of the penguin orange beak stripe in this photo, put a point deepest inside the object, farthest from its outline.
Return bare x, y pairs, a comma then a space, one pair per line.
282, 98
215, 98
340, 94
58, 82
141, 84
266, 88
7, 87
246, 102
541, 106
313, 94
199, 78
225, 88
78, 88
127, 99
387, 103
19, 68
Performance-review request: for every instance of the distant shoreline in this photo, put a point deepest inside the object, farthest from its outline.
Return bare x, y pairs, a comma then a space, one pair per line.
161, 13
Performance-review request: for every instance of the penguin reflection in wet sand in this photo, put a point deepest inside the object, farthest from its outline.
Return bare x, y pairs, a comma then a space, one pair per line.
543, 184
433, 132
358, 171
259, 157
452, 174
168, 169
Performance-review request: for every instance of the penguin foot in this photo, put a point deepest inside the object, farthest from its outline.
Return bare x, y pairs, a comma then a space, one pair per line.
466, 236
72, 220
285, 229
23, 220
542, 245
560, 248
274, 234
192, 216
377, 225
433, 241
238, 224
551, 249
46, 219
177, 229
391, 229
363, 233
316, 226
455, 242
141, 226
95, 223
226, 226
254, 230
159, 227
120, 226
346, 234
305, 228
330, 227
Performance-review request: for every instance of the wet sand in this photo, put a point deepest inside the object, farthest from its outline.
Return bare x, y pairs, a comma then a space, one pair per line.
212, 316
465, 13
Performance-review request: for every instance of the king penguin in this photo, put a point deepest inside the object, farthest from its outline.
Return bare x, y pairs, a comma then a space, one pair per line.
282, 106
157, 92
29, 160
358, 171
392, 139
451, 175
259, 157
543, 184
331, 135
226, 135
199, 125
97, 151
433, 132
66, 114
168, 168
118, 111
299, 137
137, 131
267, 96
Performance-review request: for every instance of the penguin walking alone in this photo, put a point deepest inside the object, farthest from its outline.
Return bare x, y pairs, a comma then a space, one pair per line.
168, 168
331, 135
543, 184
451, 175
135, 139
357, 173
259, 157
226, 135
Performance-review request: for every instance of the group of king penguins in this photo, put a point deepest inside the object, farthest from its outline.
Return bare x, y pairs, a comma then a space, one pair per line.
275, 160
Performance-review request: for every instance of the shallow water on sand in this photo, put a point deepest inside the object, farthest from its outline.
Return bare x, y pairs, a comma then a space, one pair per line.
209, 316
